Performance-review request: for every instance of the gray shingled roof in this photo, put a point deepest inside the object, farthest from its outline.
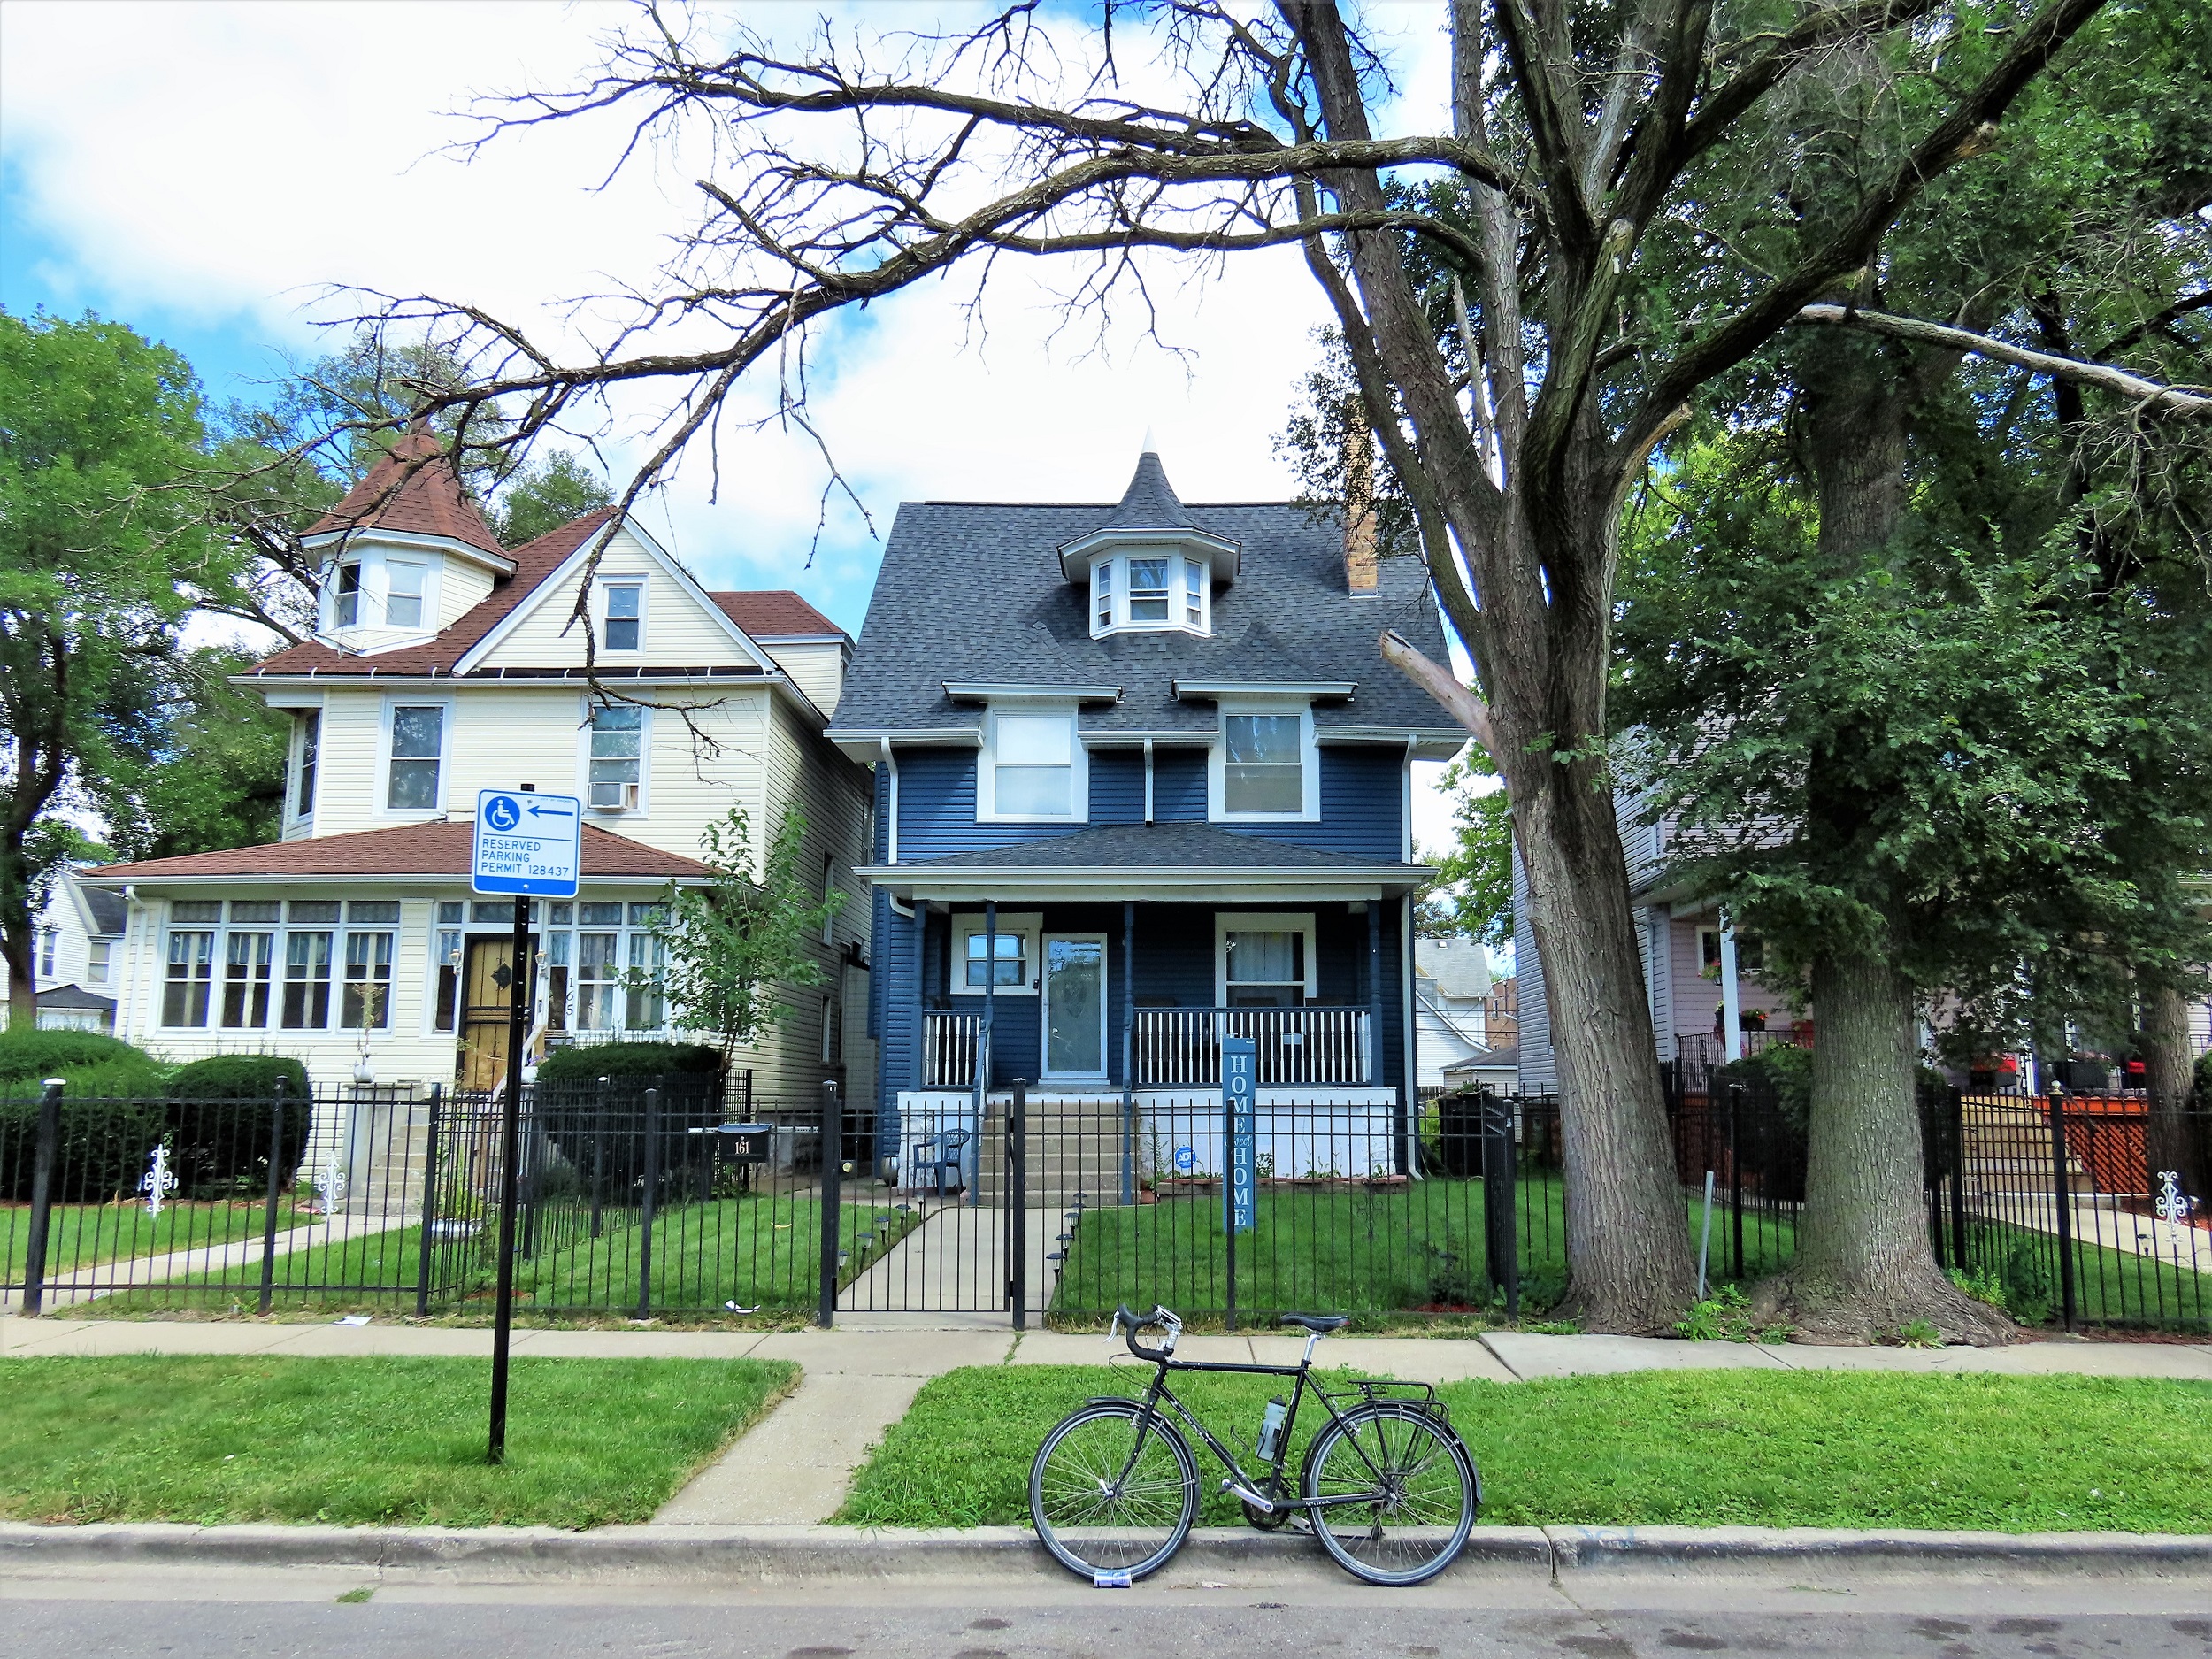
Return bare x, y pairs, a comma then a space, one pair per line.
106, 908
1182, 847
972, 592
74, 997
1149, 502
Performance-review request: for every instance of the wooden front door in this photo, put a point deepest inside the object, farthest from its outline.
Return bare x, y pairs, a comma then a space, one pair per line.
487, 992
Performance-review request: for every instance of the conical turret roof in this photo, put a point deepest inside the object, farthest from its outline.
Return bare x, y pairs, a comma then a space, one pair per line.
427, 500
1150, 501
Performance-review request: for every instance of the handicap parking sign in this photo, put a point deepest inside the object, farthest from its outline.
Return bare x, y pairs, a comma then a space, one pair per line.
527, 843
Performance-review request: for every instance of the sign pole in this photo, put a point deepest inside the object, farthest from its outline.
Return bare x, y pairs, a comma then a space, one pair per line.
510, 1179
523, 845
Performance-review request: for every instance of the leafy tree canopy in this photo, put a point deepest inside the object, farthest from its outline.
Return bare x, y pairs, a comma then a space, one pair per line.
560, 489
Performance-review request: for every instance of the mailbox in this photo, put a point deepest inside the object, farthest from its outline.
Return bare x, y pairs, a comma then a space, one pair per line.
747, 1143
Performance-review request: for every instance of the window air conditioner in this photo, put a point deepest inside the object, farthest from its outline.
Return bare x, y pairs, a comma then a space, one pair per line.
614, 797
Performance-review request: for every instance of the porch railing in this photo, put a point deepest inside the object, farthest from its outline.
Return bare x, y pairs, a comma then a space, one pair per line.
1179, 1047
948, 1048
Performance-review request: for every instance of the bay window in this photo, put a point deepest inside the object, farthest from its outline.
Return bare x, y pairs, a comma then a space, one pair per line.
1149, 588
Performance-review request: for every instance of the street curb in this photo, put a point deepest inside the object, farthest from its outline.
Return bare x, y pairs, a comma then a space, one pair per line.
797, 1555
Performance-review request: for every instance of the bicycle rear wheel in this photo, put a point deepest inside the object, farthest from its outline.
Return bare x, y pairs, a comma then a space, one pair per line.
1398, 1491
1113, 1490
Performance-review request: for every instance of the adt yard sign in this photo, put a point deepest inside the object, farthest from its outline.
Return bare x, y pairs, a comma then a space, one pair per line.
1238, 1070
527, 843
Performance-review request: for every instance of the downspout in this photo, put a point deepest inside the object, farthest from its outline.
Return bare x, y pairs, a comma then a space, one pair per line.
891, 830
1148, 780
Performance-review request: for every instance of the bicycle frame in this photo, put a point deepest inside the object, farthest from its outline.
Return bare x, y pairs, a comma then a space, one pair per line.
1242, 1484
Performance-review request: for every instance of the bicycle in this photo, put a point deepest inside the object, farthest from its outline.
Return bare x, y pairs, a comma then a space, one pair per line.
1388, 1486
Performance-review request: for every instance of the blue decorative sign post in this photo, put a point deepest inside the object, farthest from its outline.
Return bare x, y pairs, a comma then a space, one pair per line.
1239, 1069
525, 843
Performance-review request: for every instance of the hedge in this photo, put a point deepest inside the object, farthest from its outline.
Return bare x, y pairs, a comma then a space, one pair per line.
627, 1062
215, 1144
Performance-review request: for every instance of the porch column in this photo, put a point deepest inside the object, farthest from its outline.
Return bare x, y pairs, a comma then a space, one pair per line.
990, 1002
1730, 993
1375, 1068
1129, 1040
921, 991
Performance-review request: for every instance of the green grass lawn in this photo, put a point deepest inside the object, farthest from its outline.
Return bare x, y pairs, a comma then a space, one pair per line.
1363, 1250
88, 1236
2111, 1287
320, 1274
1691, 1448
356, 1441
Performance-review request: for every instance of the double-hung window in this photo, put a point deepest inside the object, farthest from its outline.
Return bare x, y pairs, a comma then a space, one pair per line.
96, 956
184, 994
617, 758
306, 981
1265, 960
311, 727
417, 751
1002, 951
403, 594
1032, 762
1103, 594
648, 971
626, 616
249, 968
48, 950
345, 599
365, 1002
1194, 593
1263, 765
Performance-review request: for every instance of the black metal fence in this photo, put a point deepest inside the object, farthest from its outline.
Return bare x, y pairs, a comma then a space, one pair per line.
671, 1197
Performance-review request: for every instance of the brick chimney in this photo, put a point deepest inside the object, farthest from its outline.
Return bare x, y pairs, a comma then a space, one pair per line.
1360, 574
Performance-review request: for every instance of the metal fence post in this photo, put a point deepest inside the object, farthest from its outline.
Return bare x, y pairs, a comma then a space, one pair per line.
44, 1152
1956, 1101
429, 1204
269, 1215
1500, 1247
599, 1158
1018, 1205
645, 1220
2062, 1200
833, 1169
1735, 1182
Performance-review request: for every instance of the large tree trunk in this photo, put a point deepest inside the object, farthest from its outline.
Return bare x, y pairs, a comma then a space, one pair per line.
1864, 1269
1627, 1234
2174, 1141
18, 940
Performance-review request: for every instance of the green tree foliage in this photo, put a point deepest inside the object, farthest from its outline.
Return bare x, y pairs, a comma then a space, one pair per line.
557, 490
100, 556
735, 947
209, 770
1472, 894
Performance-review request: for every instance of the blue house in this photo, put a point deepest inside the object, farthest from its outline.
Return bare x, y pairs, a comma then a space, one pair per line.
1142, 781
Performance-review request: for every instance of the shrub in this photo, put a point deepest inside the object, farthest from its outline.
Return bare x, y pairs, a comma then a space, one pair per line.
219, 1121
1772, 1140
2204, 1075
28, 1057
102, 1152
627, 1062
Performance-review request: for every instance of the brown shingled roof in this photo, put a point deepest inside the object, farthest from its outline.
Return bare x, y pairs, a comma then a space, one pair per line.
535, 561
411, 849
427, 500
774, 614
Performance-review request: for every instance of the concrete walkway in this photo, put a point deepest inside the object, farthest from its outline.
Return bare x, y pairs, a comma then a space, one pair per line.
795, 1468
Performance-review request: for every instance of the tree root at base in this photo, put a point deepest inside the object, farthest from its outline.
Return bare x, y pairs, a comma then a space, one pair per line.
1862, 1315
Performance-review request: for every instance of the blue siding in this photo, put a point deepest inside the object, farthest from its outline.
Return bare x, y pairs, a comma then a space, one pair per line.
1117, 786
1362, 796
1178, 786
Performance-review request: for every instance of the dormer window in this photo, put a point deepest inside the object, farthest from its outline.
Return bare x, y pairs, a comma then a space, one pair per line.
403, 594
624, 621
1151, 588
345, 605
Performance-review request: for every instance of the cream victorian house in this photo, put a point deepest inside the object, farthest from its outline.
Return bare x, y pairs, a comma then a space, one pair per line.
442, 664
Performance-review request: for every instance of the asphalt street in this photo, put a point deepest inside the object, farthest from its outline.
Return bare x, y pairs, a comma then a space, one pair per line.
299, 1614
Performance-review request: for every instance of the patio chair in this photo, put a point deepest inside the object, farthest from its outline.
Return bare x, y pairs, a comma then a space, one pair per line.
943, 1152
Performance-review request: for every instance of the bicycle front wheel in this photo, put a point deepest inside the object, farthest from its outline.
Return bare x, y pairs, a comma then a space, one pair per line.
1391, 1493
1114, 1489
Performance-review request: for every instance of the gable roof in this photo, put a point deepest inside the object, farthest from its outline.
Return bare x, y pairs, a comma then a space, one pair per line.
427, 500
973, 592
442, 849
776, 613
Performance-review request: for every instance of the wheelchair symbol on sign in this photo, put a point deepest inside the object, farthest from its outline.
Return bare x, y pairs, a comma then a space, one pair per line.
503, 814
1185, 1160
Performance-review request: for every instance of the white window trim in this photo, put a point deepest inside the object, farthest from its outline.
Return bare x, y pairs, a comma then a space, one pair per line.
621, 578
1227, 922
644, 766
428, 565
1178, 557
296, 813
360, 565
1029, 925
410, 814
1310, 764
986, 768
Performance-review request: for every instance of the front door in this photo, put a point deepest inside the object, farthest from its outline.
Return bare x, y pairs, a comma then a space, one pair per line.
1075, 1005
486, 995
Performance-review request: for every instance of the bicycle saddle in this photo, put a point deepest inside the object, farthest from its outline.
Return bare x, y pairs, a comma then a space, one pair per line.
1319, 1324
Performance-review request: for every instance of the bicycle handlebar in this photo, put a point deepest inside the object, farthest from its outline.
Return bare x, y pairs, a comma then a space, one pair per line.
1159, 1316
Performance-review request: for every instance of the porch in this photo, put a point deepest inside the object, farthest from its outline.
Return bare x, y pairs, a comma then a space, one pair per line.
1181, 1047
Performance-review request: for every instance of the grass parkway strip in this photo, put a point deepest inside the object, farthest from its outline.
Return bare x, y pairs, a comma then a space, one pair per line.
1679, 1448
364, 1442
